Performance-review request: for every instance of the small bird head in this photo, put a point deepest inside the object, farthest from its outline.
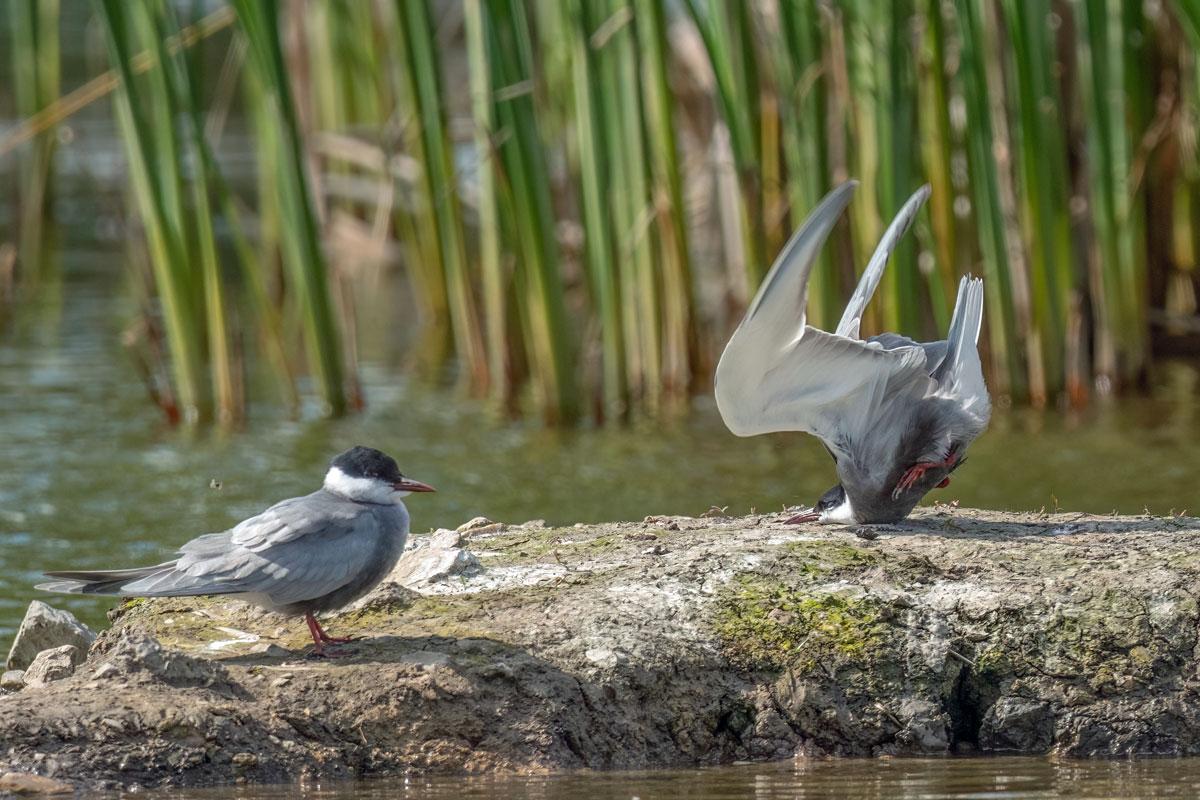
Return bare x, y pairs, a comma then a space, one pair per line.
370, 476
834, 506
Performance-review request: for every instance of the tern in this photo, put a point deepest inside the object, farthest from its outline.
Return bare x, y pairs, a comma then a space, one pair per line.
304, 555
896, 415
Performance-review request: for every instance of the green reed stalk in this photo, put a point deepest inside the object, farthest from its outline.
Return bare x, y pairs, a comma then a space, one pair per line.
495, 283
441, 184
882, 76
667, 200
1000, 320
803, 109
727, 33
538, 278
593, 153
144, 115
938, 145
1043, 201
1101, 63
259, 20
631, 204
201, 232
36, 80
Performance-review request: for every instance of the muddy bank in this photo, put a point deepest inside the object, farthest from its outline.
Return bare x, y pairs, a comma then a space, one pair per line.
672, 641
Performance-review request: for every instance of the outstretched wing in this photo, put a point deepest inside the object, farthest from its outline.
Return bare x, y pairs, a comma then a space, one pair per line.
852, 316
779, 374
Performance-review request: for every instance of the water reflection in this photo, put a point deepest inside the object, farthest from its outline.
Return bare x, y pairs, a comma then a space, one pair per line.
844, 779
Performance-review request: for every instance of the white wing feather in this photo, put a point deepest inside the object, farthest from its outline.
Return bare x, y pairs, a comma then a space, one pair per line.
779, 374
852, 316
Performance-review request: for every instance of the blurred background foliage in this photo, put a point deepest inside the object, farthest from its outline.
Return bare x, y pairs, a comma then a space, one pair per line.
582, 195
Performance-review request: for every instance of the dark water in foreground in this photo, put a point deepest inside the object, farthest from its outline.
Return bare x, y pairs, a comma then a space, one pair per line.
850, 779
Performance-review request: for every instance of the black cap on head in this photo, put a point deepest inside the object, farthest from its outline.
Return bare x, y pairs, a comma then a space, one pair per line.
831, 499
367, 462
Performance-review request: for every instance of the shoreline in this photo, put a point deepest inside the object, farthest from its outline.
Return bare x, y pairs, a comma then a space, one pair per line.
670, 642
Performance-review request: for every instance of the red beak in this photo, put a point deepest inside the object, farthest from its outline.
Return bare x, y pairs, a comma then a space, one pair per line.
409, 485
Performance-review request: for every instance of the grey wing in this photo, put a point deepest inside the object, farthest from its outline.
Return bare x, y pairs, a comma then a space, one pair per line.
291, 552
824, 384
934, 351
779, 302
777, 373
852, 316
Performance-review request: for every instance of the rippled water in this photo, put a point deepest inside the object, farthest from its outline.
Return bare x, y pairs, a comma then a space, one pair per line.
845, 779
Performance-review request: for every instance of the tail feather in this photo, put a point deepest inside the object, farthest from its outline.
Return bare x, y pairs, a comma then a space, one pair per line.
110, 581
964, 330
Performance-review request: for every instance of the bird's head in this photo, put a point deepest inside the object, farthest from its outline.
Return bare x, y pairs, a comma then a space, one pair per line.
367, 475
834, 506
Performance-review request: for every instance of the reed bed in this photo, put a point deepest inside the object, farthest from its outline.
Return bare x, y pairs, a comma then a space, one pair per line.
36, 85
587, 206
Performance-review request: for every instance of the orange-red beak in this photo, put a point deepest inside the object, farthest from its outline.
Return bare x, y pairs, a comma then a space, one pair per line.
409, 485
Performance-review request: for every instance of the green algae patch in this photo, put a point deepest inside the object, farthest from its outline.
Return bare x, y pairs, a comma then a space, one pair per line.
552, 545
765, 626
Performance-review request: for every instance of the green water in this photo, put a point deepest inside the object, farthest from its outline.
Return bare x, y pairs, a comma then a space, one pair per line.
847, 779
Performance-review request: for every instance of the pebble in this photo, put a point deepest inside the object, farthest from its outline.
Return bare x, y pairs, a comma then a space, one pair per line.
13, 680
25, 783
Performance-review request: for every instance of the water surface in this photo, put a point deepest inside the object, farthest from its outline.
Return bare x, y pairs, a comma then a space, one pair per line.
844, 779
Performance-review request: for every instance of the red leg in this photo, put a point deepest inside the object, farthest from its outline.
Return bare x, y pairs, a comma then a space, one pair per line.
916, 471
945, 482
320, 639
319, 634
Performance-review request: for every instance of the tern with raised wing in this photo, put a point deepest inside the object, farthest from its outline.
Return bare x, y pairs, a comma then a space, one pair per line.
896, 415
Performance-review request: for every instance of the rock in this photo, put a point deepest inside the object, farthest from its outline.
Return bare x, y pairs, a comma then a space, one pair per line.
388, 596
135, 653
480, 525
51, 665
1017, 725
445, 539
426, 565
26, 783
12, 680
45, 627
270, 650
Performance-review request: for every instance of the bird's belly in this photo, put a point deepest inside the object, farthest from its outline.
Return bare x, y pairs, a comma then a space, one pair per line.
356, 587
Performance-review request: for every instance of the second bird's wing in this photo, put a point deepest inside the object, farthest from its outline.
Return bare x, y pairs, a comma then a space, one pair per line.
779, 374
852, 316
297, 550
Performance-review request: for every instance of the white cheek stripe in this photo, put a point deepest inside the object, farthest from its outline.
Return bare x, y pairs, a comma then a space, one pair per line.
368, 489
843, 513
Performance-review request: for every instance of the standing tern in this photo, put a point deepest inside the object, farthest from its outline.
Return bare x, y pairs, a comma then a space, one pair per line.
896, 415
305, 555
